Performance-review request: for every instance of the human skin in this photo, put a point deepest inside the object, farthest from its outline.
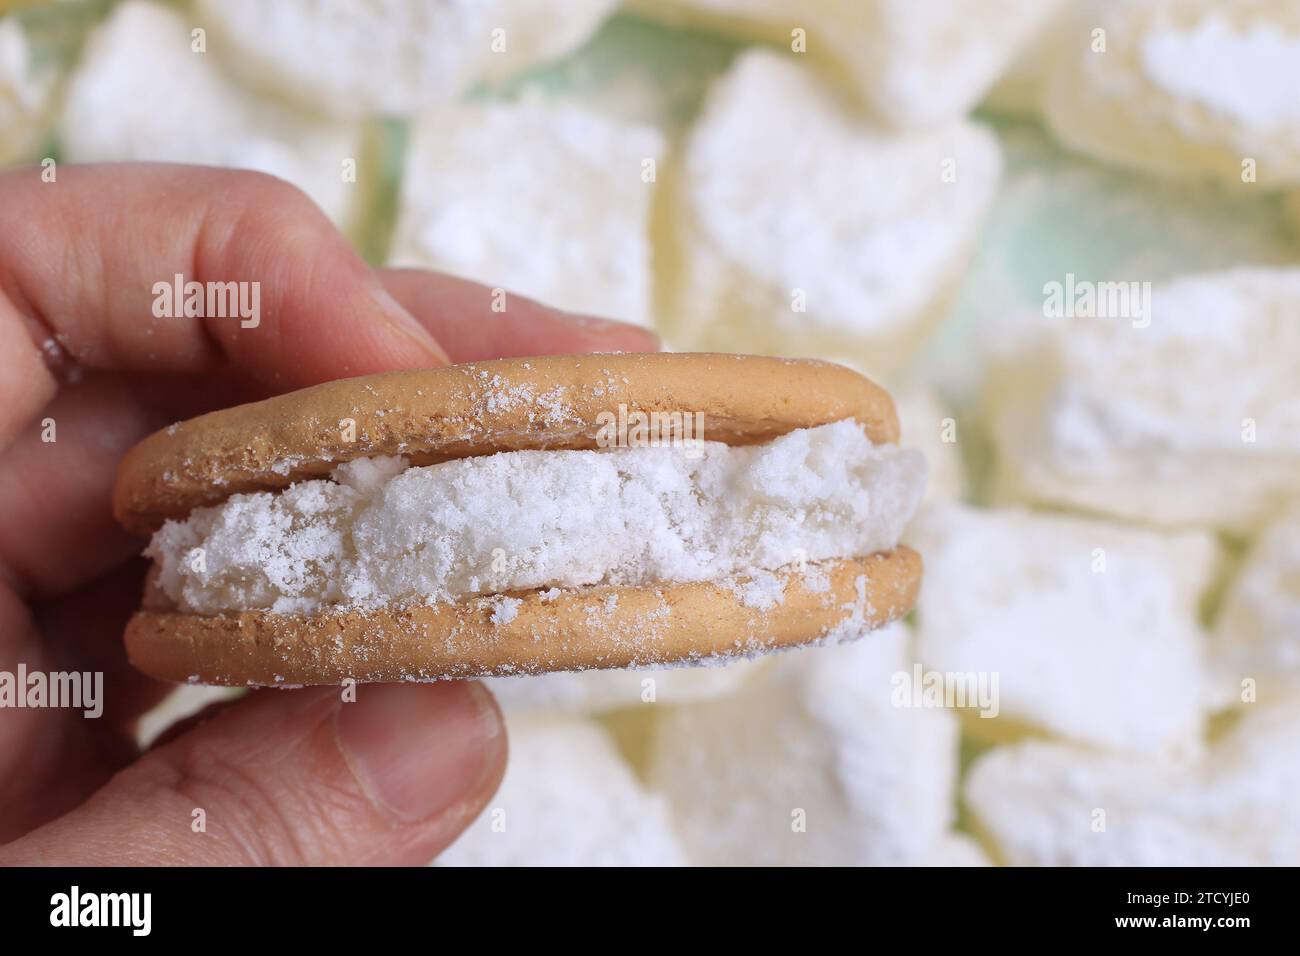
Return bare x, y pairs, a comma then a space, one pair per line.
281, 776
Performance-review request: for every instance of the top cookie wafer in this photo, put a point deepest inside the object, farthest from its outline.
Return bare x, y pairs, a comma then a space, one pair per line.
431, 415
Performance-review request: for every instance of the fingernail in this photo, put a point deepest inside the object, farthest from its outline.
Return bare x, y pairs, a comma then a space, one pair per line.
419, 750
406, 324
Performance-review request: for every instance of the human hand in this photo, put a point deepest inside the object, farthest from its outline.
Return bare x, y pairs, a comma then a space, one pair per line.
282, 776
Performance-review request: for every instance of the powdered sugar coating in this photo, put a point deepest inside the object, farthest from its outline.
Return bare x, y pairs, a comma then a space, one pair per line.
810, 763
1183, 88
1257, 634
138, 81
1040, 803
568, 799
390, 56
561, 215
1090, 626
1248, 75
915, 63
1189, 417
773, 254
382, 534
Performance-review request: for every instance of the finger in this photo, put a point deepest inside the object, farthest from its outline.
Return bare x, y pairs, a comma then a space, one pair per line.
296, 778
81, 260
474, 322
83, 632
50, 758
26, 381
56, 476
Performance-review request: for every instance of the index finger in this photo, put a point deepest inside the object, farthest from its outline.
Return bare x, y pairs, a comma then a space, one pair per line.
104, 265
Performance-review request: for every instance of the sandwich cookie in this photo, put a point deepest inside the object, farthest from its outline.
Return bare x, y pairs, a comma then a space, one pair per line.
522, 516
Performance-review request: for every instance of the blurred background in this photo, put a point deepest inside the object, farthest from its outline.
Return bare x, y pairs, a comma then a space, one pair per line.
1065, 234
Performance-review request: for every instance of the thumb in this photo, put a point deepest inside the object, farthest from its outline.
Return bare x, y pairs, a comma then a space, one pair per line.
296, 778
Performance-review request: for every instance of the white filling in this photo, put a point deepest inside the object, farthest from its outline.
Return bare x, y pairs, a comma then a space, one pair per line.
383, 533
